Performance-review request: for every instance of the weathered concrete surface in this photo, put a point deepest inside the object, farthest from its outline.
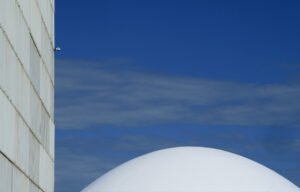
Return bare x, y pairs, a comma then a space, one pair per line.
26, 95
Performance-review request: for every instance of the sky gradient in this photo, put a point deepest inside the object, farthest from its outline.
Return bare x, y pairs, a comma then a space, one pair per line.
138, 76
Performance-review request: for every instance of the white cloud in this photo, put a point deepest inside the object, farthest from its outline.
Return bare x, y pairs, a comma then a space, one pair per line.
95, 94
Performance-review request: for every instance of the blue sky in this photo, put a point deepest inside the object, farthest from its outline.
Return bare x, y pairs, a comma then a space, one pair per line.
138, 76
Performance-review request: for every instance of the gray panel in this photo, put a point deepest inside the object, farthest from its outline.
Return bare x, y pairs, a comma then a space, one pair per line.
34, 159
2, 11
24, 84
5, 174
22, 145
25, 7
7, 127
8, 20
3, 44
20, 181
35, 22
52, 103
34, 66
33, 188
9, 85
46, 88
35, 113
45, 129
46, 171
52, 139
47, 52
22, 46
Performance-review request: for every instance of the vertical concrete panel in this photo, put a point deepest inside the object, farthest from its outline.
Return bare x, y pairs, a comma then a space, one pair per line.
34, 159
45, 129
10, 67
13, 80
22, 145
25, 6
9, 21
26, 95
52, 102
35, 113
3, 45
45, 8
19, 83
33, 188
20, 181
45, 46
46, 89
5, 174
35, 63
43, 169
23, 39
52, 139
53, 29
46, 171
15, 83
53, 4
7, 127
2, 12
35, 23
47, 52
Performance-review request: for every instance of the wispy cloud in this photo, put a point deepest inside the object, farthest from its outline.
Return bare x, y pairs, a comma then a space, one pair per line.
96, 94
254, 120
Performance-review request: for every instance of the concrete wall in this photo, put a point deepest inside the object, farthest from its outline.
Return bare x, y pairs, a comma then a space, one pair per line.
26, 95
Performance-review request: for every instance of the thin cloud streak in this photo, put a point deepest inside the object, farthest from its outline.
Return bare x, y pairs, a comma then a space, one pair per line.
95, 94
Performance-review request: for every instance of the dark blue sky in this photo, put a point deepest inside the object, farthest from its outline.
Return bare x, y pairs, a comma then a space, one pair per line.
137, 76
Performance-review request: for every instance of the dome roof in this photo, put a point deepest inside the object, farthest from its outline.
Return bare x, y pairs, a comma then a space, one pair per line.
191, 169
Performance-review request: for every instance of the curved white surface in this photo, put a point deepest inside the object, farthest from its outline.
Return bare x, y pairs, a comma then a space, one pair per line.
191, 169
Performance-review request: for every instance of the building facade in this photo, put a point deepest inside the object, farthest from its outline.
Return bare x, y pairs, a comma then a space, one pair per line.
26, 95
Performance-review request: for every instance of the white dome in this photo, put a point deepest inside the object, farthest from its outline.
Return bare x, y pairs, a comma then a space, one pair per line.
191, 169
